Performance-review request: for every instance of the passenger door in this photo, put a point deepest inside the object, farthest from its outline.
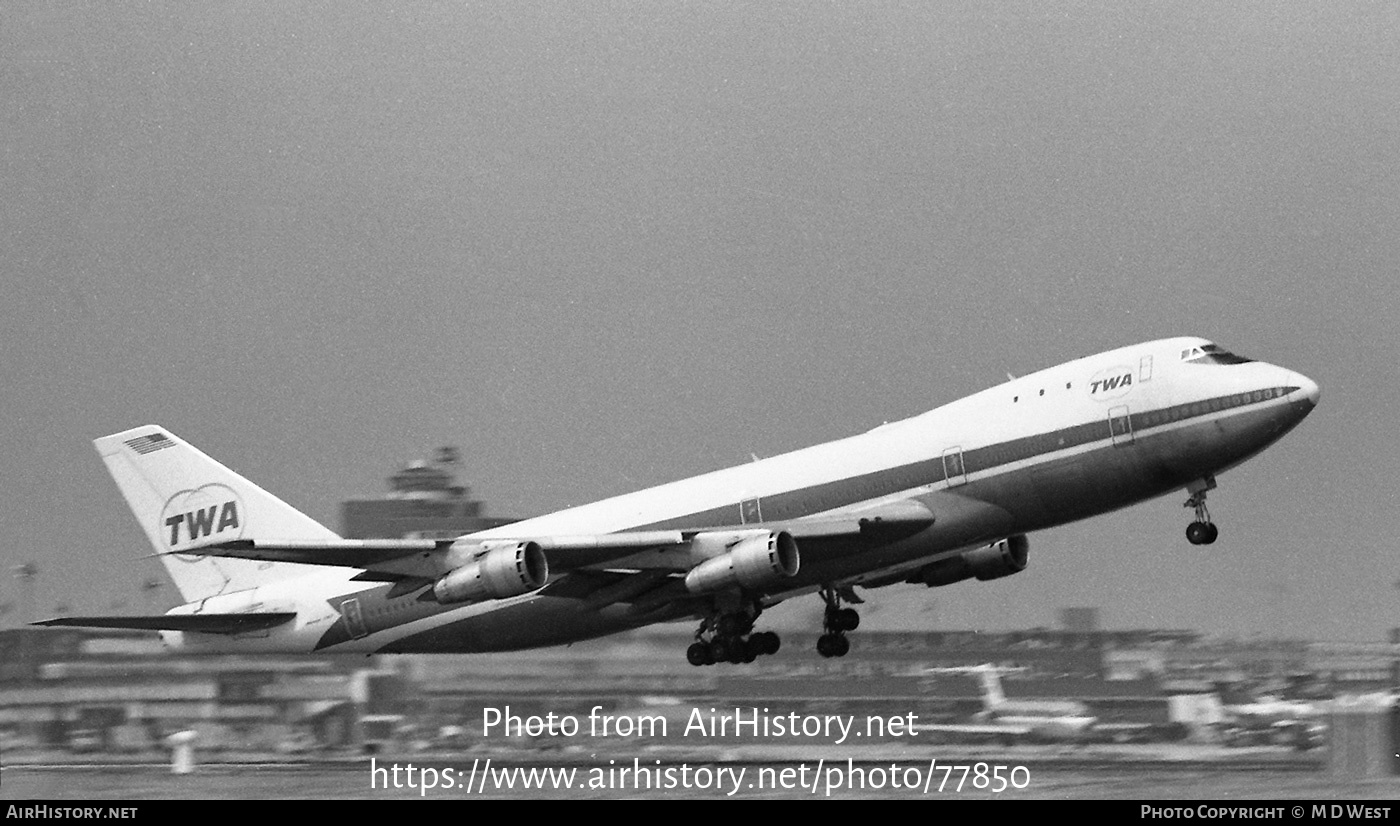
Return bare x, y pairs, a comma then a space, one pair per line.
1120, 425
953, 469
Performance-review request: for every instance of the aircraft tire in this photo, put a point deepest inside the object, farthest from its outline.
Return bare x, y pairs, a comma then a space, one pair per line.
768, 642
848, 619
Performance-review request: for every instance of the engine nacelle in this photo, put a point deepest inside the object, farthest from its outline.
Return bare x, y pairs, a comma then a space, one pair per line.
505, 570
995, 561
754, 559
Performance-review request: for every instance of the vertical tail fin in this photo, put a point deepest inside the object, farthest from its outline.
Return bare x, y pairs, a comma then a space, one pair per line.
183, 499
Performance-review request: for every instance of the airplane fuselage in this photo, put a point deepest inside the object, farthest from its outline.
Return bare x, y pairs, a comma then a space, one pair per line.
1072, 441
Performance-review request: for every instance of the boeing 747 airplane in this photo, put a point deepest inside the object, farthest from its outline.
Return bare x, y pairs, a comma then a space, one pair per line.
936, 499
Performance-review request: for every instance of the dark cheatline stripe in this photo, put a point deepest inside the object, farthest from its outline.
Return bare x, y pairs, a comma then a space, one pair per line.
842, 492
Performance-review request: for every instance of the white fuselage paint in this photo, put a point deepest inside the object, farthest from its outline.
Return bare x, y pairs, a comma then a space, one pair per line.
1044, 403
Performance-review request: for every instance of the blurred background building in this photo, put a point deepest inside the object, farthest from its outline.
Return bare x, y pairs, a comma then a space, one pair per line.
425, 500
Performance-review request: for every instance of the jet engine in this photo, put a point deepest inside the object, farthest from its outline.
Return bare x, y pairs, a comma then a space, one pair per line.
753, 559
503, 570
995, 561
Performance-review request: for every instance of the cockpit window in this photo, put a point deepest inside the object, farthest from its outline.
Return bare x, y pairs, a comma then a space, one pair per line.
1211, 354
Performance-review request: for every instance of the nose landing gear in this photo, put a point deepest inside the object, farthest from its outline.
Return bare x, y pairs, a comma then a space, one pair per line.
1202, 531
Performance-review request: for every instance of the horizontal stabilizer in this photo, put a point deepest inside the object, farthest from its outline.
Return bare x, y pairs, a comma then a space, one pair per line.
202, 623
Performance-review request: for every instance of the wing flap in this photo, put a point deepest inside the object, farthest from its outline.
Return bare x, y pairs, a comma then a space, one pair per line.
202, 623
340, 553
428, 558
597, 589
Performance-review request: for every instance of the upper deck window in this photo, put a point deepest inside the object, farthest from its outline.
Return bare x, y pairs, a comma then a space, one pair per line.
1212, 354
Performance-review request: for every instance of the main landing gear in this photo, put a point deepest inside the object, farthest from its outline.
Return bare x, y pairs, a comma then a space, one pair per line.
1202, 531
727, 635
726, 638
836, 622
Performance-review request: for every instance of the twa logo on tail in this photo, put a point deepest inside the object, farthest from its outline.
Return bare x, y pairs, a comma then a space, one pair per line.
209, 513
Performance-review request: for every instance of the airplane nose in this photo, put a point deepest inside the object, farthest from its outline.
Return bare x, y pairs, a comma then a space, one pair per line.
1307, 393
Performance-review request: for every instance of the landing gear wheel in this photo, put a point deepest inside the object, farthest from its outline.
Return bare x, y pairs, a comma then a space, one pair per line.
766, 641
836, 622
833, 645
1202, 531
725, 637
847, 619
1199, 533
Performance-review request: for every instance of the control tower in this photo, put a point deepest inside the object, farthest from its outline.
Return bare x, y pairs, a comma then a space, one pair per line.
424, 501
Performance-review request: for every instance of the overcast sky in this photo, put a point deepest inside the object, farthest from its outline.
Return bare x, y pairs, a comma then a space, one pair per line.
602, 246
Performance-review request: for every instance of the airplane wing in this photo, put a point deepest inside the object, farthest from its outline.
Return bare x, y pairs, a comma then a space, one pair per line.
389, 560
203, 623
398, 558
645, 568
645, 590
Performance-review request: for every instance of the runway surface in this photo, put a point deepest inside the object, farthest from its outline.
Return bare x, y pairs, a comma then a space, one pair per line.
1012, 774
